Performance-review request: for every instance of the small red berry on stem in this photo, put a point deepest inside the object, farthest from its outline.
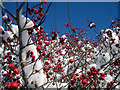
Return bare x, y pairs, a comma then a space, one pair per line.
53, 83
38, 17
41, 8
84, 81
35, 19
38, 47
9, 85
71, 60
14, 85
36, 11
16, 70
36, 85
11, 66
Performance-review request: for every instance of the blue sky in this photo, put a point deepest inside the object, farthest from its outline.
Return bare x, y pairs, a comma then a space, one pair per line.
98, 12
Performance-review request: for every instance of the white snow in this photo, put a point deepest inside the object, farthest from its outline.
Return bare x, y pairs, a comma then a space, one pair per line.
1, 50
108, 78
5, 16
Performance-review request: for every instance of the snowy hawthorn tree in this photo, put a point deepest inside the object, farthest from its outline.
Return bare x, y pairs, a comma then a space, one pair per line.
32, 58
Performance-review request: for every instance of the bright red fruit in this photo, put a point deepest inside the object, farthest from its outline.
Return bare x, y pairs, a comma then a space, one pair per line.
38, 47
71, 60
40, 42
41, 14
9, 19
36, 85
8, 45
35, 19
16, 70
46, 43
93, 67
14, 85
9, 85
46, 63
53, 83
18, 77
84, 81
50, 66
36, 11
98, 81
4, 57
102, 77
11, 66
41, 8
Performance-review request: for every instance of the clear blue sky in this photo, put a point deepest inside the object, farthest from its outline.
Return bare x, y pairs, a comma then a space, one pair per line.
98, 12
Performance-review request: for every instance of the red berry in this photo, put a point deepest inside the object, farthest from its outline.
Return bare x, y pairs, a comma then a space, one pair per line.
102, 74
76, 39
38, 17
18, 77
71, 60
102, 77
11, 66
10, 75
14, 85
46, 43
53, 83
36, 11
41, 27
53, 31
9, 19
95, 70
41, 8
50, 73
36, 85
98, 73
90, 77
75, 78
8, 45
60, 63
9, 85
84, 81
38, 47
105, 73
55, 70
46, 63
40, 42
16, 70
4, 57
41, 14
98, 81
35, 19
88, 72
32, 56
93, 67
36, 70
41, 30
8, 53
50, 66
